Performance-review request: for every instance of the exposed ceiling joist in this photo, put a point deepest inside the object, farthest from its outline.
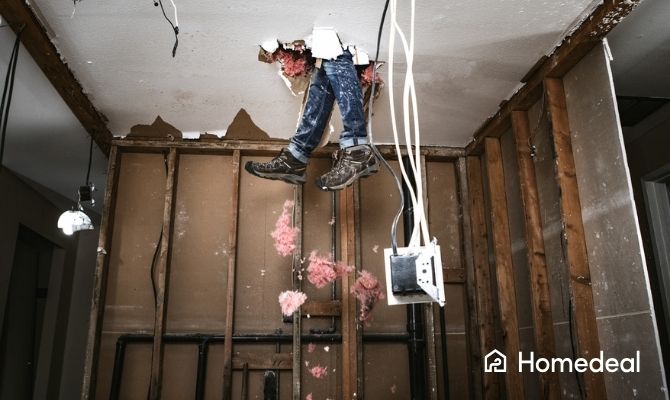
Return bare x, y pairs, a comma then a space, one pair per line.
19, 15
571, 50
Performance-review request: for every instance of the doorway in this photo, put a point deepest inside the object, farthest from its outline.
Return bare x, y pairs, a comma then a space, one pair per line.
24, 315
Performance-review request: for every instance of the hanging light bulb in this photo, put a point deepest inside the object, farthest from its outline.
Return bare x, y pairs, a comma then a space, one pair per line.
76, 220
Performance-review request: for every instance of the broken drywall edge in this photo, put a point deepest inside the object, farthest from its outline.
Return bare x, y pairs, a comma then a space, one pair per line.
325, 43
157, 129
270, 45
218, 133
191, 135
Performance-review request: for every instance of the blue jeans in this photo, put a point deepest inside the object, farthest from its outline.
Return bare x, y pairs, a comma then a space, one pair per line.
336, 79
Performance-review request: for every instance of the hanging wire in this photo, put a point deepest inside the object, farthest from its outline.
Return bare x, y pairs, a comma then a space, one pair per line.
8, 91
175, 25
394, 226
90, 160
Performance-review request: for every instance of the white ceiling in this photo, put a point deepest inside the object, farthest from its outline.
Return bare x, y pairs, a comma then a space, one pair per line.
470, 55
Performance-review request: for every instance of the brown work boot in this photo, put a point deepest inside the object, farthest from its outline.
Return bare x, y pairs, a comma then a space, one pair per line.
352, 163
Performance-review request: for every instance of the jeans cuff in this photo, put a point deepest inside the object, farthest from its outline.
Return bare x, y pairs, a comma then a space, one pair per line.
295, 152
349, 142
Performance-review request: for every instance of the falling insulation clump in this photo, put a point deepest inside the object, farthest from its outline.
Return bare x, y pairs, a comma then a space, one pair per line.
290, 301
285, 233
368, 292
318, 372
322, 270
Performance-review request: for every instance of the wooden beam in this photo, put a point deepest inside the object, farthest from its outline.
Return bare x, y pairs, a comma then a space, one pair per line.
297, 285
543, 326
349, 319
162, 278
502, 248
428, 309
581, 294
100, 276
453, 275
18, 14
230, 287
472, 336
268, 146
331, 308
571, 50
482, 273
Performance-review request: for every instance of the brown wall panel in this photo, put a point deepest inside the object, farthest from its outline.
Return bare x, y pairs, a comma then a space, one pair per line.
379, 203
179, 371
382, 381
444, 211
261, 273
200, 248
326, 355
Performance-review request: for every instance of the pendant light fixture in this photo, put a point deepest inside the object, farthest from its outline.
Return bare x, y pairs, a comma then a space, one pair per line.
76, 220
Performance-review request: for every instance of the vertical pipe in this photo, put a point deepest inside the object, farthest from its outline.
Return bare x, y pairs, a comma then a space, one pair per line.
201, 375
415, 328
445, 361
117, 371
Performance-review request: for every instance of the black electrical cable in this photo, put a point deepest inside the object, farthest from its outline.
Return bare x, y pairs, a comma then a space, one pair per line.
175, 28
90, 160
7, 91
394, 226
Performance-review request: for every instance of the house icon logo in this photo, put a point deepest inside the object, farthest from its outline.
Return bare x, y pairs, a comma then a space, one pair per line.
495, 361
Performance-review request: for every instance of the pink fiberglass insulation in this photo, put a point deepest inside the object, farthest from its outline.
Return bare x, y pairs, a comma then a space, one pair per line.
308, 397
290, 301
368, 292
311, 347
366, 76
284, 233
294, 63
322, 270
318, 371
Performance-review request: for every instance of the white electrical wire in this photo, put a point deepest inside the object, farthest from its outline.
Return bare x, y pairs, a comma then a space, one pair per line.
409, 93
176, 18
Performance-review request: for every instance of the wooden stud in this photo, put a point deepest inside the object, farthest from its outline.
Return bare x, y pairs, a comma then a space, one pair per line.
358, 262
297, 285
428, 311
482, 273
581, 294
571, 50
502, 247
19, 15
472, 336
349, 310
232, 264
543, 327
255, 361
100, 276
162, 278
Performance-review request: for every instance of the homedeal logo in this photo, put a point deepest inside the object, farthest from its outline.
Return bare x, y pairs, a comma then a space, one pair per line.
496, 361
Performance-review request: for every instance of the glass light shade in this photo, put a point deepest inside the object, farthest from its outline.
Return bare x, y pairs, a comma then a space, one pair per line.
74, 221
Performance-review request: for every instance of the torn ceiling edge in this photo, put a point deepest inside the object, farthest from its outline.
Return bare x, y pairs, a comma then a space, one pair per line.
567, 54
20, 15
241, 128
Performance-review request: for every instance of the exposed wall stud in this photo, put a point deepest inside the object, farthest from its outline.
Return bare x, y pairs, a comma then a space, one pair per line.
502, 247
162, 278
581, 293
232, 264
100, 276
482, 273
543, 328
297, 285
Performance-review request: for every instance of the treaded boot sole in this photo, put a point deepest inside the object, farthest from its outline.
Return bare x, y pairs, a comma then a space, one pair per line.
288, 178
370, 170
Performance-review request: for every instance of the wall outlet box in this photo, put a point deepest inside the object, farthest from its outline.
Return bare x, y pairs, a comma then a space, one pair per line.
414, 275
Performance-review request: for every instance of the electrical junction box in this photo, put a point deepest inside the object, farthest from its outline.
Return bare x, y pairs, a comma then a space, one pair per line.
414, 275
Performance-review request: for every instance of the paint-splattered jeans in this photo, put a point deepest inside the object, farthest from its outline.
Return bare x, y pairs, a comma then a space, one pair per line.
336, 79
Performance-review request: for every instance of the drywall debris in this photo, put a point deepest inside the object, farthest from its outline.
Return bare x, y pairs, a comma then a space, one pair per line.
318, 371
331, 222
190, 135
290, 301
285, 234
325, 43
368, 292
326, 349
308, 397
375, 248
158, 129
243, 128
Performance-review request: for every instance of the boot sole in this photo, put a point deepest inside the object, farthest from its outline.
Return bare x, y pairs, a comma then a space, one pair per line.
291, 179
363, 174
